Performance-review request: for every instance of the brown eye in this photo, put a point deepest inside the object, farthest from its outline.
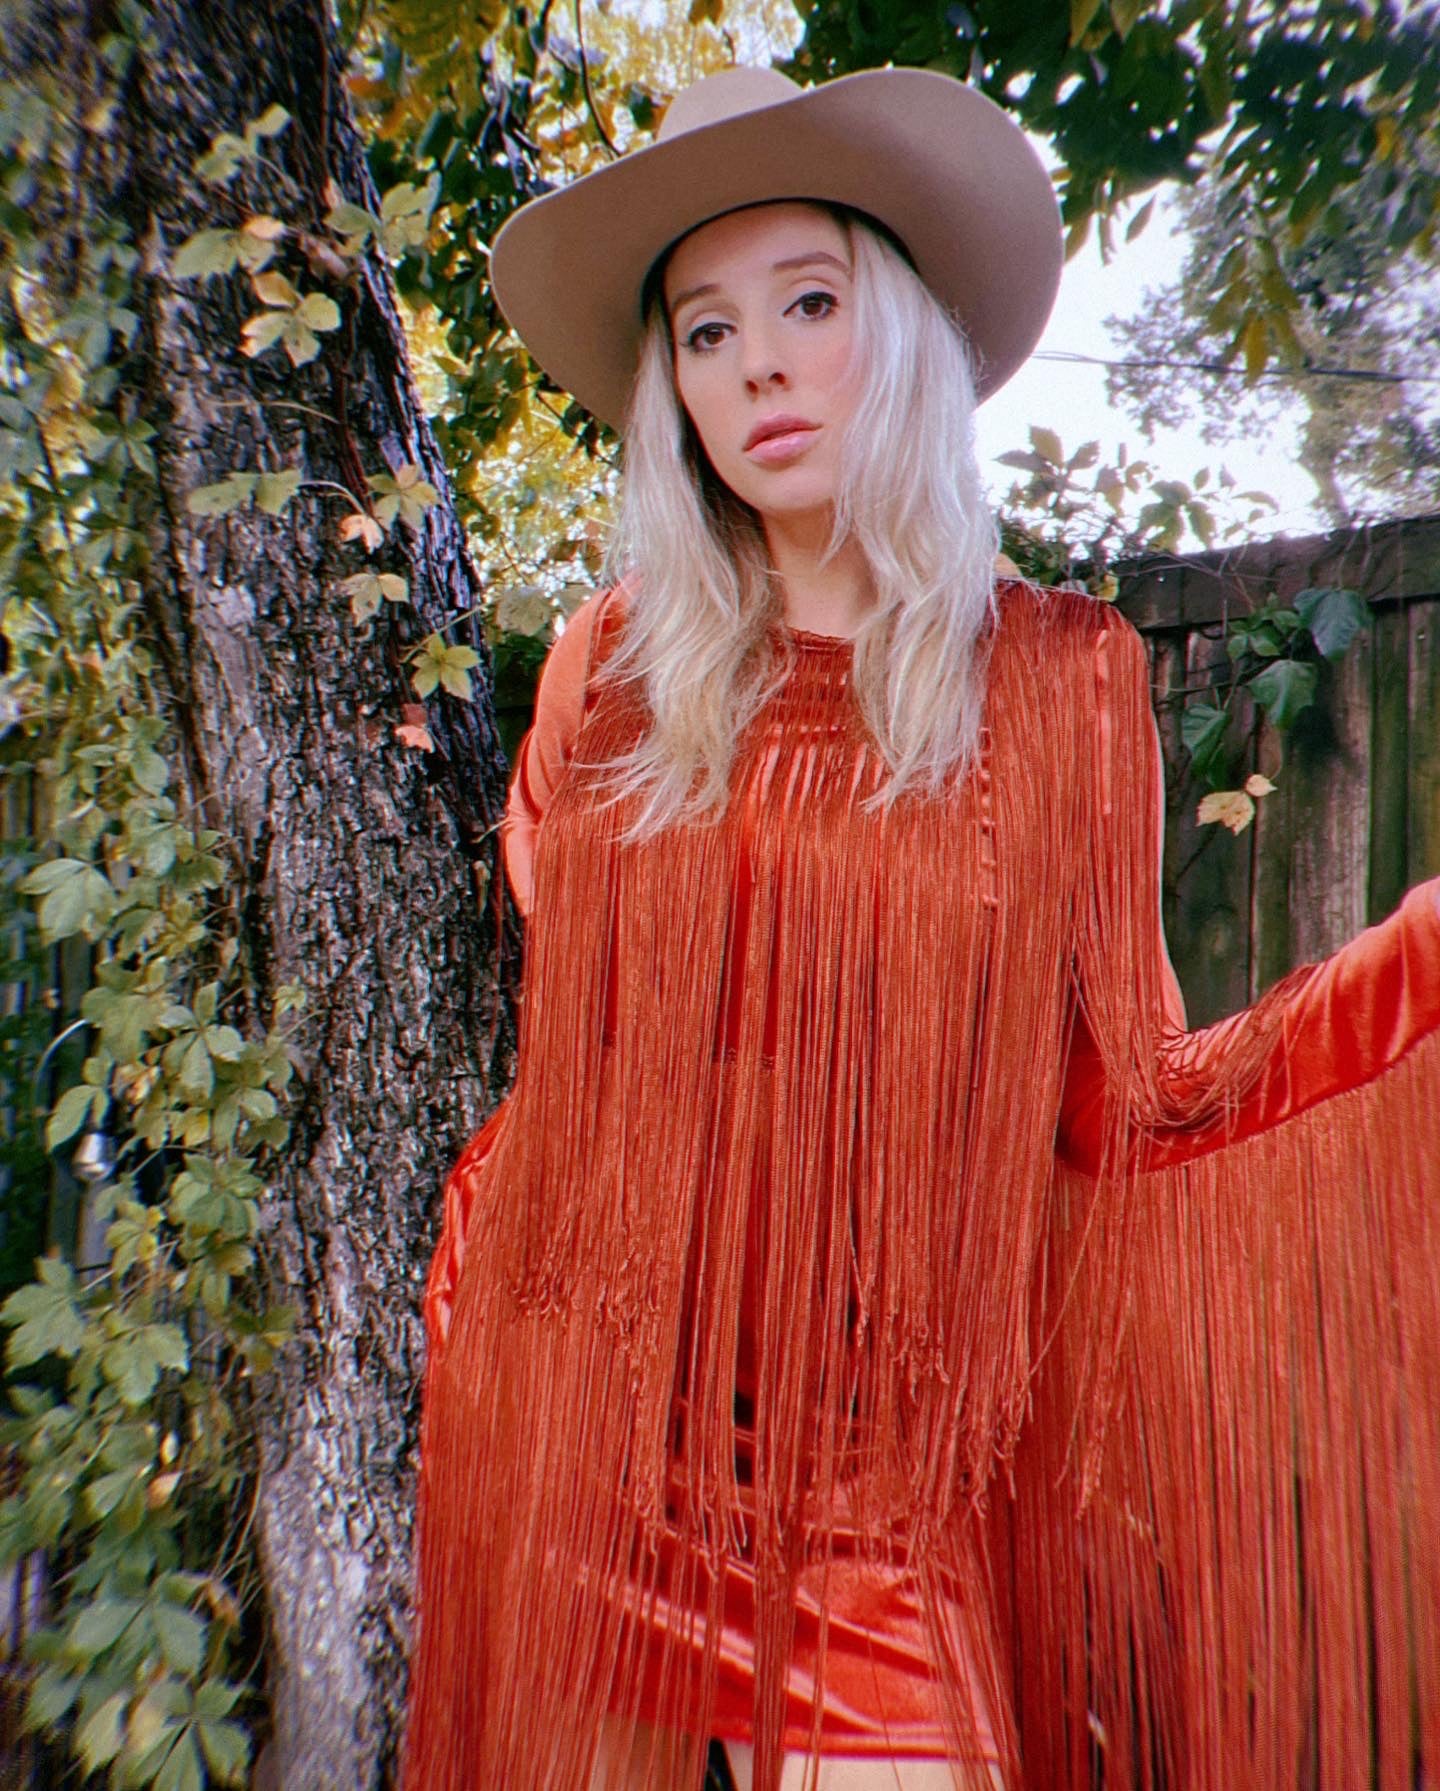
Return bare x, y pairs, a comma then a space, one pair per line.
700, 338
825, 299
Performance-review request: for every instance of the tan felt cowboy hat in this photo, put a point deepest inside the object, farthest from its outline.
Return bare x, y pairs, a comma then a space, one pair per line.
943, 167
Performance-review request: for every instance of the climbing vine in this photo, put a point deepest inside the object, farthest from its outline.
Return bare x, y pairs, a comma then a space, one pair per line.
129, 1361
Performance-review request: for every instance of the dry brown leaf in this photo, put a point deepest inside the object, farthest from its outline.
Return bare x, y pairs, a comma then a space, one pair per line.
1234, 809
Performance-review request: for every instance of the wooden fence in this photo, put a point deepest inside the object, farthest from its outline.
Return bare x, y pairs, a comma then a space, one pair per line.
1355, 818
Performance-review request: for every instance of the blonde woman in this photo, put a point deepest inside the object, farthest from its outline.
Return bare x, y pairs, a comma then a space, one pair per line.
874, 1337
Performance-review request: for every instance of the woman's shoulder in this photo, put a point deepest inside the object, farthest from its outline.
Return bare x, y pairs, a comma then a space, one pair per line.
1054, 618
576, 652
1065, 646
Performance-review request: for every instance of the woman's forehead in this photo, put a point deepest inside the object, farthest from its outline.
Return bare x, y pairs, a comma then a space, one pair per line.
783, 229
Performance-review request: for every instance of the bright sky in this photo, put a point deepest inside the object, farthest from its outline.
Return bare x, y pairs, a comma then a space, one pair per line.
1071, 399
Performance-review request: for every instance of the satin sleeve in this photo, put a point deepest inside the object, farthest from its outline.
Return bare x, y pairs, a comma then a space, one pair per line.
1325, 1029
546, 749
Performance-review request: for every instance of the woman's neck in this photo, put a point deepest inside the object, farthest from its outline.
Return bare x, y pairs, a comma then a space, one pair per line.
834, 598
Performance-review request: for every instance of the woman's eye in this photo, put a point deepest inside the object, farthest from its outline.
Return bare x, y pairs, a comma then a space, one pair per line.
809, 300
704, 336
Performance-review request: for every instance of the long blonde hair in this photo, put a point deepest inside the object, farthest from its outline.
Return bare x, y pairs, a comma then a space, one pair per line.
702, 595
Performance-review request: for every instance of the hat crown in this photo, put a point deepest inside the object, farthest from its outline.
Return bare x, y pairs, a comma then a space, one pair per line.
729, 94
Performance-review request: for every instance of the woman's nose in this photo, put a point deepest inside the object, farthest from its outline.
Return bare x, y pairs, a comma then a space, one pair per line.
763, 366
758, 381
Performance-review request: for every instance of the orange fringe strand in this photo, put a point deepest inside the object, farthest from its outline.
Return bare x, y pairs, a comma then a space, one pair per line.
862, 1201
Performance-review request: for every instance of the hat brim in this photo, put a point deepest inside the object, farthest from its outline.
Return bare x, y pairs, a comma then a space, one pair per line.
942, 166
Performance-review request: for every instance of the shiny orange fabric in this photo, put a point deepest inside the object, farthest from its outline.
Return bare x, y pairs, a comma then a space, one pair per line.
863, 1208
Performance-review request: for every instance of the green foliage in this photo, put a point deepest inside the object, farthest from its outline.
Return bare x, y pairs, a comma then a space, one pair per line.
1276, 653
1074, 514
1290, 110
1073, 518
1356, 315
125, 1434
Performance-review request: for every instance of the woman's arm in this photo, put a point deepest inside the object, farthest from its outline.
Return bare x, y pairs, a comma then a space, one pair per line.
1323, 1030
540, 764
1241, 1365
560, 703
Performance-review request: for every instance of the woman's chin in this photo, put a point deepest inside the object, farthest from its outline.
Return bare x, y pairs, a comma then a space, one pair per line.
794, 508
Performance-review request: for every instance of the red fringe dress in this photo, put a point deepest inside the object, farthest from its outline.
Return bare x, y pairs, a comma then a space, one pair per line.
874, 1325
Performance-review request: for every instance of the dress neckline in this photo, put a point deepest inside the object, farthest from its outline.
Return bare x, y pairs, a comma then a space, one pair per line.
829, 643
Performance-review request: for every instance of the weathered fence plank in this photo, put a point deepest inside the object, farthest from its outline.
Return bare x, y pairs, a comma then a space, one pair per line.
1355, 818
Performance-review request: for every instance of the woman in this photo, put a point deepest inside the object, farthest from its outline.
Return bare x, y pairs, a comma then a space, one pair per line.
874, 1332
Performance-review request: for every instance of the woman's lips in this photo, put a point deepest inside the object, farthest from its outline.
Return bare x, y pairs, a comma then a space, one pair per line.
775, 450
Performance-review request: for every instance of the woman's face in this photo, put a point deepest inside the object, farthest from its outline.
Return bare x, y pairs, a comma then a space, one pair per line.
760, 306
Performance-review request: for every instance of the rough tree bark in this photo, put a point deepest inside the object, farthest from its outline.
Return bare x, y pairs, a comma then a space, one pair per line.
351, 848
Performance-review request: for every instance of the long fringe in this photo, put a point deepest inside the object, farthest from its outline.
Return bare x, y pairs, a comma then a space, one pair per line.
768, 1265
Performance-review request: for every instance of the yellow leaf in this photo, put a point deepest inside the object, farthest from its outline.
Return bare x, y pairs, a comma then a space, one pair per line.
1387, 135
261, 332
357, 525
318, 311
275, 289
1256, 343
1234, 809
1258, 785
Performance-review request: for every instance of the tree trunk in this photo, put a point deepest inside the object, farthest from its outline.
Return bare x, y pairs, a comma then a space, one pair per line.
351, 848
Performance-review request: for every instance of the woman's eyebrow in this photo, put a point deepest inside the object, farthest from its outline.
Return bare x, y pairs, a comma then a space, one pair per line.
790, 262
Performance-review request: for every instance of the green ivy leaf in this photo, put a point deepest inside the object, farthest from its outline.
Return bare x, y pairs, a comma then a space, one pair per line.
1334, 616
181, 1635
182, 1770
1202, 730
1284, 689
104, 1494
50, 1698
224, 1043
46, 1320
196, 1073
73, 896
273, 491
101, 1736
99, 1626
133, 1363
72, 1110
226, 494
